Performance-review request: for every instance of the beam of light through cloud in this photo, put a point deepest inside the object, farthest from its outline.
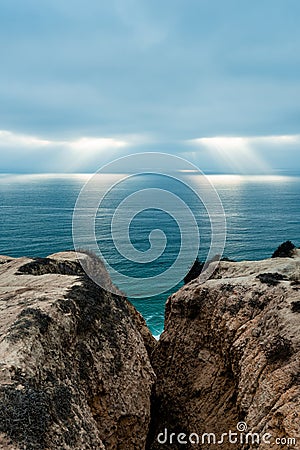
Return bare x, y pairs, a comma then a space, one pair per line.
27, 153
85, 149
71, 155
243, 154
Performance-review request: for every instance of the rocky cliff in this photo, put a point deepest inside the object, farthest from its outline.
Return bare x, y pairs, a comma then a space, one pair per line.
80, 370
229, 357
74, 369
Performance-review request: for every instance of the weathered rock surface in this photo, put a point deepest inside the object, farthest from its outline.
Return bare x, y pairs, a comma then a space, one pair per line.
230, 352
74, 368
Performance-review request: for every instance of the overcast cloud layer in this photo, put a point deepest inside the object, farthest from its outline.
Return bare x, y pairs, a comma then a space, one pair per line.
83, 82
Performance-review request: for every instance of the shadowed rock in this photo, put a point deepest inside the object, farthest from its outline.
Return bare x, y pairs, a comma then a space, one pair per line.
285, 250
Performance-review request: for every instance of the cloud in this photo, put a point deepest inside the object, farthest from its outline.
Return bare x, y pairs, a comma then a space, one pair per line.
144, 27
9, 139
41, 154
232, 142
235, 154
244, 154
95, 76
169, 69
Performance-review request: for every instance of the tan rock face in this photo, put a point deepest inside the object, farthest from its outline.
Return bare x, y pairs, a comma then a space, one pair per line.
74, 368
230, 353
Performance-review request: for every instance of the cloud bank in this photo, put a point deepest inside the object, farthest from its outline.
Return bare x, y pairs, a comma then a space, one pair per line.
173, 71
235, 154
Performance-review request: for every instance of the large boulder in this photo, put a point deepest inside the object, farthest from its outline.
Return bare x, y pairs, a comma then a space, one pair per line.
74, 367
229, 358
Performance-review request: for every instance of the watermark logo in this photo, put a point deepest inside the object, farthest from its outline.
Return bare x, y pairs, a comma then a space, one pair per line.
167, 190
239, 436
241, 426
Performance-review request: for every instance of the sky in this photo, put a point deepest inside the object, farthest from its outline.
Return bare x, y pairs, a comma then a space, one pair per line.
83, 82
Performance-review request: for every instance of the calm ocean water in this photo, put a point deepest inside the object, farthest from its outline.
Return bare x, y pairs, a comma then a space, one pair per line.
36, 220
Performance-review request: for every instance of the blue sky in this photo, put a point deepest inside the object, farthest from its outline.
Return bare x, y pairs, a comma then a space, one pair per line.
217, 82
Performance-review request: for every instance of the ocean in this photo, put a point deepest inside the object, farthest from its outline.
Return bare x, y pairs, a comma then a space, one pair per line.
36, 220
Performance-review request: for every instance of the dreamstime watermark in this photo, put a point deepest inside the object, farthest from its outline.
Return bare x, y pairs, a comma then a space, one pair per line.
118, 193
239, 436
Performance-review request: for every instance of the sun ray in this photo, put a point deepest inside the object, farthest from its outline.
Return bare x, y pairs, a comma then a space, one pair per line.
241, 153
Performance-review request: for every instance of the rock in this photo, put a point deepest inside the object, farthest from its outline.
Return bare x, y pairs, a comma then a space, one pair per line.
285, 250
74, 368
230, 354
194, 271
199, 266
